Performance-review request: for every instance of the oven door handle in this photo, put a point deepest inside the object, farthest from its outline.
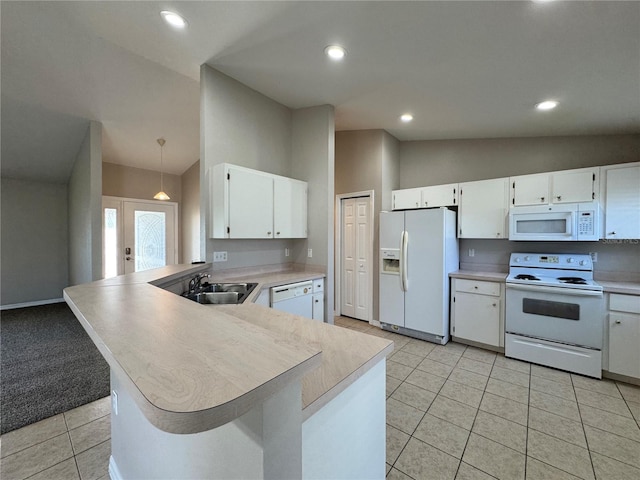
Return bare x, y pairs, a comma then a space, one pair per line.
558, 290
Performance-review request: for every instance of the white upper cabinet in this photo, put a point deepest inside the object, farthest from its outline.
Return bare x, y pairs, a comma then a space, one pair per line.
483, 209
248, 203
426, 197
289, 208
621, 193
567, 186
407, 198
574, 186
530, 189
439, 196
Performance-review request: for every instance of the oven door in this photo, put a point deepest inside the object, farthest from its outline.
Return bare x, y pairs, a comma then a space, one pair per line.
564, 315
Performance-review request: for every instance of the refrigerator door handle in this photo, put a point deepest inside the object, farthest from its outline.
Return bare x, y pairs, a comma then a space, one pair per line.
403, 260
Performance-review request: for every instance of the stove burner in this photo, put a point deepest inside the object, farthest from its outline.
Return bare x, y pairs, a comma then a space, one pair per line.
526, 277
573, 280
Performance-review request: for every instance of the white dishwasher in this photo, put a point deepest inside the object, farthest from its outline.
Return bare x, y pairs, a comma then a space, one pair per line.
294, 298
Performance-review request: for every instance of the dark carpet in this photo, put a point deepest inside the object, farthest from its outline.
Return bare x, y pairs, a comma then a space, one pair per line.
48, 365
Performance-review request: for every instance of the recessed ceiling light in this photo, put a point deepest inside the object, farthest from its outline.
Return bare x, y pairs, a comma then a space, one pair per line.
335, 52
173, 19
547, 105
406, 117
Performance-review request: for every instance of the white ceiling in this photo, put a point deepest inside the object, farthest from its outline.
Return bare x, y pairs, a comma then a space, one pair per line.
464, 69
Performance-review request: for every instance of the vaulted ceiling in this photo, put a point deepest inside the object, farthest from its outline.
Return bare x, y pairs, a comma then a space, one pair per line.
463, 69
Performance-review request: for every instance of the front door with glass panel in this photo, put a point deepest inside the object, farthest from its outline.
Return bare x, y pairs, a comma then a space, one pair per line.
138, 235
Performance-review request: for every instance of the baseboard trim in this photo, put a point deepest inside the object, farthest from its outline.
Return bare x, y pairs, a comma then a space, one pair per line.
31, 304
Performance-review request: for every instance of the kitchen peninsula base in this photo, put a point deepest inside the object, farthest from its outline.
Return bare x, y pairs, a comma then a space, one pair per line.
344, 439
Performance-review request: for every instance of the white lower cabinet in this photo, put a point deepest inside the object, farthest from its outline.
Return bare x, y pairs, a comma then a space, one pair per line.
624, 334
477, 312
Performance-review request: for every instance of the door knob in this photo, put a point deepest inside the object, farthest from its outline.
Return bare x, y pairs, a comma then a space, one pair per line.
128, 259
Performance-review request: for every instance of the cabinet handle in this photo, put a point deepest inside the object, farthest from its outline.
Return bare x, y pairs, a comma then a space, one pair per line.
426, 203
559, 197
493, 305
277, 233
268, 233
611, 233
417, 204
542, 199
498, 234
618, 322
476, 287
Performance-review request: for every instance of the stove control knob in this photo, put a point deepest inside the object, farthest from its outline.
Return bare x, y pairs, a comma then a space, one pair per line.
582, 262
517, 259
570, 260
527, 258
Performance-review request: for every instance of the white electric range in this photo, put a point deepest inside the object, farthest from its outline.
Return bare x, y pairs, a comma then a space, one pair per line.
554, 312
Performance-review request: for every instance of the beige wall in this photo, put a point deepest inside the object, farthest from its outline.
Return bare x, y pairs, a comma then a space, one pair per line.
437, 162
313, 152
450, 161
190, 214
368, 160
35, 241
130, 182
85, 210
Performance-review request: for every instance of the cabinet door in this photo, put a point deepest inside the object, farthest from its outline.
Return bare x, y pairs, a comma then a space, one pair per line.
250, 204
530, 189
318, 306
574, 186
483, 209
439, 195
622, 203
289, 208
624, 338
477, 318
407, 198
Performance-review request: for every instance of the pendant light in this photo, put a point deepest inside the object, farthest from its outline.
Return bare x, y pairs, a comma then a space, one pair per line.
161, 195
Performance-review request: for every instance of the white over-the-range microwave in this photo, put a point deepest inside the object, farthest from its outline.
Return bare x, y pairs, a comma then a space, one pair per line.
562, 222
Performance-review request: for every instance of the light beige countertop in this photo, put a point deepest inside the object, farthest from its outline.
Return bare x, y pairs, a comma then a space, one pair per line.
193, 367
627, 288
473, 275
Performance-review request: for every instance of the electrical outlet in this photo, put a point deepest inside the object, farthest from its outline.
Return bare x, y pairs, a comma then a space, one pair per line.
114, 402
594, 256
472, 252
219, 256
310, 253
286, 252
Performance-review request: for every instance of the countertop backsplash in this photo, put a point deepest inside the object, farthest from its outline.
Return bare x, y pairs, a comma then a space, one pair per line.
618, 260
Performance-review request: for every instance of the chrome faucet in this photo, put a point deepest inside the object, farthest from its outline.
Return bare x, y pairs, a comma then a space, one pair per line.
195, 282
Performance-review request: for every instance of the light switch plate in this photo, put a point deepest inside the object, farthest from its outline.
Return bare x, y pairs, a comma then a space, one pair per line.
310, 253
594, 256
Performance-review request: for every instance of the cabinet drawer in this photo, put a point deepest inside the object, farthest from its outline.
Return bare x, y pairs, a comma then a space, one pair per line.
624, 303
474, 286
318, 285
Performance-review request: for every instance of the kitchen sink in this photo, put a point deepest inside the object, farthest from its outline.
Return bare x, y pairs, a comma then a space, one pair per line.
221, 293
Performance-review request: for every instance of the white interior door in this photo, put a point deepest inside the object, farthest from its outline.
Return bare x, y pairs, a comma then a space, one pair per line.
356, 254
348, 280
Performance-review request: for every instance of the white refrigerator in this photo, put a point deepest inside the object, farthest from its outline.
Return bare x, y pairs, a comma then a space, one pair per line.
418, 250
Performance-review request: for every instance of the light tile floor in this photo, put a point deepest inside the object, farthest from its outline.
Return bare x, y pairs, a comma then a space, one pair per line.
453, 412
458, 412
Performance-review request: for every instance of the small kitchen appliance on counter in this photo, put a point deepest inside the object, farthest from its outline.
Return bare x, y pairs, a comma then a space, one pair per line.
554, 312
